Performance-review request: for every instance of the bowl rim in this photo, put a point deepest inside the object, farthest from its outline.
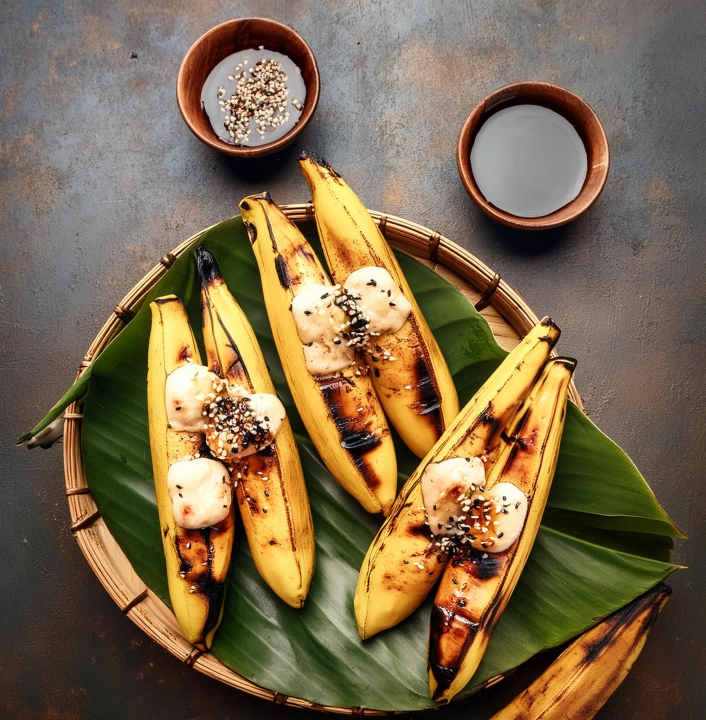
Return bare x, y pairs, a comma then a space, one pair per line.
313, 90
596, 146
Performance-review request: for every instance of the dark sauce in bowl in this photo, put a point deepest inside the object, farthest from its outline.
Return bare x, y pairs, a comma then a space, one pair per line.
528, 160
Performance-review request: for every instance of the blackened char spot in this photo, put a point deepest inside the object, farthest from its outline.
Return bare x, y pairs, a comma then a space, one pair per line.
207, 265
244, 205
282, 271
251, 229
360, 441
429, 402
184, 565
165, 300
267, 451
487, 418
445, 669
356, 441
318, 159
209, 587
419, 531
487, 567
165, 531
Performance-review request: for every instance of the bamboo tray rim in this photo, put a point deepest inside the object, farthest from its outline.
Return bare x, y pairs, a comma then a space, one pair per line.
494, 297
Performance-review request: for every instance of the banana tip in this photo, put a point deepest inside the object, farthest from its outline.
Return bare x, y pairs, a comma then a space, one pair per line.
245, 205
206, 264
317, 160
568, 362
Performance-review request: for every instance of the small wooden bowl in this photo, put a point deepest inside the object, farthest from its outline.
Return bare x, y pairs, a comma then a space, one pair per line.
577, 111
228, 38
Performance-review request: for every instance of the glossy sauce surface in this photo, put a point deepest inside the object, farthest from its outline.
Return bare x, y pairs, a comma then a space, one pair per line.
528, 160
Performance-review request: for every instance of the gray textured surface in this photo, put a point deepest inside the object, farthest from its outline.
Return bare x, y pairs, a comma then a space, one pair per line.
99, 177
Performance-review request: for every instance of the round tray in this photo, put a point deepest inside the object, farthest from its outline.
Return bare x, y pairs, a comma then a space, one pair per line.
508, 315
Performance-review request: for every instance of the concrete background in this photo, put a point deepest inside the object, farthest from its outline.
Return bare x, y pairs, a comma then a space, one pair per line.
99, 177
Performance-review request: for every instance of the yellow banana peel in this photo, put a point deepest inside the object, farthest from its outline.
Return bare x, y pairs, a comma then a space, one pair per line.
269, 485
416, 389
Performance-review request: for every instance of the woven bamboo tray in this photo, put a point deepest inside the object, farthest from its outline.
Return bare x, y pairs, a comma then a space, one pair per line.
509, 317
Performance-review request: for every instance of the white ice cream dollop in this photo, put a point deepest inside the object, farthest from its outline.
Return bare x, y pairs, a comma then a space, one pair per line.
461, 511
201, 492
318, 320
382, 300
186, 391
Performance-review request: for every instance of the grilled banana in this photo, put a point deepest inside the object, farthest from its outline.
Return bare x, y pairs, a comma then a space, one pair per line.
197, 558
590, 670
409, 372
502, 522
269, 484
312, 323
404, 560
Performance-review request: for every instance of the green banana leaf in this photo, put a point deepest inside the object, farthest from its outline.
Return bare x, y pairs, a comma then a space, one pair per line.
604, 541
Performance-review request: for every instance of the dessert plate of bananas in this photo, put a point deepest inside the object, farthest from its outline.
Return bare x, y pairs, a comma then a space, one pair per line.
338, 490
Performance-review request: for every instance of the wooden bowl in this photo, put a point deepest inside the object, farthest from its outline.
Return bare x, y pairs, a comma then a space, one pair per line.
577, 111
228, 38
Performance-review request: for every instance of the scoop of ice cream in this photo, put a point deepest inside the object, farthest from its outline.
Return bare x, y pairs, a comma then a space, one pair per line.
201, 492
383, 302
239, 424
319, 321
460, 510
186, 391
446, 487
498, 517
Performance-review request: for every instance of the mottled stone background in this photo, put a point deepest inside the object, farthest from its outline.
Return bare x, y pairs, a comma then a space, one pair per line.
99, 177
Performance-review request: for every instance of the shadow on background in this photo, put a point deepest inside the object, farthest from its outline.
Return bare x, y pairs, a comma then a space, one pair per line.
259, 171
526, 242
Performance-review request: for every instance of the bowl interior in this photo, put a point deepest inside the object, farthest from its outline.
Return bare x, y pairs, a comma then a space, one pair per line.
567, 104
229, 38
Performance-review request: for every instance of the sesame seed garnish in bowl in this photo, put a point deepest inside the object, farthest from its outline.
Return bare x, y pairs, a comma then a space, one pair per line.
248, 87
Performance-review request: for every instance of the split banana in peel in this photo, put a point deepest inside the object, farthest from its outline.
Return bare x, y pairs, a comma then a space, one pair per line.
197, 559
415, 388
478, 582
338, 405
404, 560
589, 671
269, 484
